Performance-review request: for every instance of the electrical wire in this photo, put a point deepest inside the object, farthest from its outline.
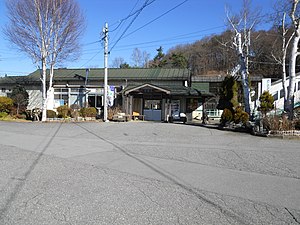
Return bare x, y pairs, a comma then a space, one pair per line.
129, 15
131, 22
144, 43
178, 37
123, 20
165, 13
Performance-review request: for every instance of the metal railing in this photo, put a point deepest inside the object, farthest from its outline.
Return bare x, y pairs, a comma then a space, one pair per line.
216, 113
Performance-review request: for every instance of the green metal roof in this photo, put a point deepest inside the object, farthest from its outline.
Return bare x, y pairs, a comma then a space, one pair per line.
116, 74
201, 86
18, 80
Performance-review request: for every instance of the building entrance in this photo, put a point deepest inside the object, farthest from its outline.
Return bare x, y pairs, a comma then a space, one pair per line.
152, 110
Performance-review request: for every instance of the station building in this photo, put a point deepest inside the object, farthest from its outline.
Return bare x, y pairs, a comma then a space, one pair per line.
155, 93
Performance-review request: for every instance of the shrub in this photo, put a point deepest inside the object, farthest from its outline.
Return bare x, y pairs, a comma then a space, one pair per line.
3, 115
51, 114
266, 102
75, 111
240, 116
63, 111
88, 112
112, 111
280, 123
75, 107
20, 116
226, 116
6, 104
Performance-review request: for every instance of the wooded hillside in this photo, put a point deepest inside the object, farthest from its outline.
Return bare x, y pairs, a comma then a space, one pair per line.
215, 55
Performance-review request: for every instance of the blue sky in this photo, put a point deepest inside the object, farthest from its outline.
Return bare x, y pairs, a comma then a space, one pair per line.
191, 21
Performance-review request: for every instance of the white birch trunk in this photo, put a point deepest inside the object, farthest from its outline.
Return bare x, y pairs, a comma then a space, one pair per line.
51, 75
284, 52
282, 59
284, 83
284, 80
293, 59
292, 74
43, 51
44, 92
244, 74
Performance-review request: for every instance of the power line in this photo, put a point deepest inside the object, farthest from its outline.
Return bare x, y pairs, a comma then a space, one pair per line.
178, 37
123, 20
156, 18
134, 18
91, 43
91, 59
131, 14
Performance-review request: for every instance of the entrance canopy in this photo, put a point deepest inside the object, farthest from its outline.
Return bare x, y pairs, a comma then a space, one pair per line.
157, 102
145, 88
174, 90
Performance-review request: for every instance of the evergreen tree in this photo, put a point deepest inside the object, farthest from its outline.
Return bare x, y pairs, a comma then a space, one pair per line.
178, 61
266, 102
125, 66
20, 97
229, 94
159, 60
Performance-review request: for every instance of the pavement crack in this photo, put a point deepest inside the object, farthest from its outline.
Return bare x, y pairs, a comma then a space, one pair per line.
35, 199
143, 192
293, 216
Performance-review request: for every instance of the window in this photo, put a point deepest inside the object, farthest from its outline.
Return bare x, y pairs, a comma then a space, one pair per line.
65, 98
281, 93
3, 89
152, 104
275, 96
74, 89
61, 98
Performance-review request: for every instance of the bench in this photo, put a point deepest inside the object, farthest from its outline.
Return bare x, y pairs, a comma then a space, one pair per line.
121, 117
139, 117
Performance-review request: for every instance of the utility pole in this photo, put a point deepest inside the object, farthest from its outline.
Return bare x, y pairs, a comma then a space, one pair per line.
85, 90
105, 32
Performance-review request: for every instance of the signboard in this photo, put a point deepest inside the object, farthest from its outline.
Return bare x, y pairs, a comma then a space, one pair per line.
110, 95
99, 91
265, 84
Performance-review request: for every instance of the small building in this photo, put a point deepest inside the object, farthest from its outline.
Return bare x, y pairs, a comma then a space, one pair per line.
155, 93
276, 89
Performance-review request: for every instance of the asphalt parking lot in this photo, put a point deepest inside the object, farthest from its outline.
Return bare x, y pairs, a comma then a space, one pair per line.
145, 173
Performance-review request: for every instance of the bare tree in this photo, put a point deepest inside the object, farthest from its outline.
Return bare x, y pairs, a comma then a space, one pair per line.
146, 59
242, 26
48, 31
295, 18
286, 36
137, 57
117, 62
